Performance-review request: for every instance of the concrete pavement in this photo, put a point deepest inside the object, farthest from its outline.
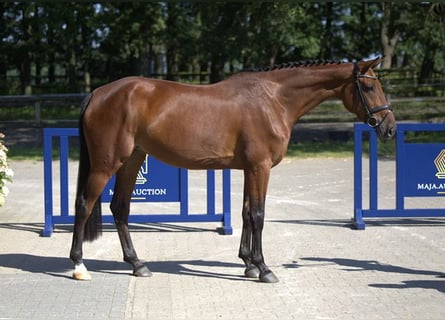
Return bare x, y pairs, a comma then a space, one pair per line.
392, 270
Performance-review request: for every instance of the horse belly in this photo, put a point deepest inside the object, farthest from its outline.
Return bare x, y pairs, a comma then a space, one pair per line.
189, 150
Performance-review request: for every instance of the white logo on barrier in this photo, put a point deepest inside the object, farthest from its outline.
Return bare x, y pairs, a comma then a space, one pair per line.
143, 171
440, 164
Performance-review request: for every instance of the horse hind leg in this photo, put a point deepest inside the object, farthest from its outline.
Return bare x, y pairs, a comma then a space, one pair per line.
120, 207
87, 203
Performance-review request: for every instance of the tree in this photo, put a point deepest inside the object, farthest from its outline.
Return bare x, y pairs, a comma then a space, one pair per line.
44, 41
3, 42
180, 38
223, 34
340, 30
24, 38
422, 40
131, 32
389, 33
433, 40
279, 32
437, 11
327, 40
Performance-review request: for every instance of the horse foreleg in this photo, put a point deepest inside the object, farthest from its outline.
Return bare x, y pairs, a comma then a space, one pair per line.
120, 207
245, 250
258, 179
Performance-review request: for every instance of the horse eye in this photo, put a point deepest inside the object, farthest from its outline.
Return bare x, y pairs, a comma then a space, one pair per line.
368, 88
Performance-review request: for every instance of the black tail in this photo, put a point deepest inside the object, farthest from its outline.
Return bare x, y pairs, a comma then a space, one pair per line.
93, 226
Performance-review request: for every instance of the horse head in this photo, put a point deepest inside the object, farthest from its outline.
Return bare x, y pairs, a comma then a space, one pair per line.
364, 96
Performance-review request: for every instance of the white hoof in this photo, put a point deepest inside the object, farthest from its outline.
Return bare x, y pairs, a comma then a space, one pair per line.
81, 273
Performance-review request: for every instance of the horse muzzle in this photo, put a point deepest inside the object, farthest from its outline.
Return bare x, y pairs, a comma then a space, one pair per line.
385, 127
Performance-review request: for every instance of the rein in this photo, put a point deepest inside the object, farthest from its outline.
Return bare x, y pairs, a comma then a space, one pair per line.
370, 120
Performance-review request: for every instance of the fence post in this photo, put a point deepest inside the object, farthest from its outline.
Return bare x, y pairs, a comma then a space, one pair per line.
37, 112
48, 183
227, 227
358, 182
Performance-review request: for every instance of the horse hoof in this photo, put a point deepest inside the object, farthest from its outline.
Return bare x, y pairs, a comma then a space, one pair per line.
81, 273
85, 276
269, 277
252, 272
142, 271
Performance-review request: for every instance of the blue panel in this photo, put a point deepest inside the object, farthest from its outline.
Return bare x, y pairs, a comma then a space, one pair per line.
423, 167
420, 172
156, 182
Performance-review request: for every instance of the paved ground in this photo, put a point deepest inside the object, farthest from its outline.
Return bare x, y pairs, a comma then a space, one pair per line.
392, 270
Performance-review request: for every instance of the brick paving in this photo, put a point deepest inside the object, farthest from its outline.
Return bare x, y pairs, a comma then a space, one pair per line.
392, 270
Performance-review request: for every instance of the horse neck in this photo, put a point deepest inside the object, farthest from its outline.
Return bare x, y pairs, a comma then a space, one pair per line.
303, 88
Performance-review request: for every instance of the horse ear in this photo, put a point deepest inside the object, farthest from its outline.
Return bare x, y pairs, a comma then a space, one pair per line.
370, 64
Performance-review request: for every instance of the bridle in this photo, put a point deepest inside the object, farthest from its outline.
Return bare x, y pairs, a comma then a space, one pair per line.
370, 120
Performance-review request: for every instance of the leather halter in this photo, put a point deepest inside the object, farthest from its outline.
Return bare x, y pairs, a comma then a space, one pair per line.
370, 120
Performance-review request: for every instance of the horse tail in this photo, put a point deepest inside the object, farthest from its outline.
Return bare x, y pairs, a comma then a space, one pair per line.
93, 226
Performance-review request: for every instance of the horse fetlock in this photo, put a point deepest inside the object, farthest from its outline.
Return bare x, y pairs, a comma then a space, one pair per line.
75, 257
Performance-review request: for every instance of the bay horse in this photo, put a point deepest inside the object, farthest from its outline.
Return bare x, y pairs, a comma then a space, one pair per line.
243, 122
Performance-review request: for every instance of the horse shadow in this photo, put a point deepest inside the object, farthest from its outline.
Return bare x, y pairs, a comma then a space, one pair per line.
353, 265
349, 223
62, 267
37, 228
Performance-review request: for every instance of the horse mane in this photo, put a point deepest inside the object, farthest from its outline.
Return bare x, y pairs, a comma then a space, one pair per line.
295, 64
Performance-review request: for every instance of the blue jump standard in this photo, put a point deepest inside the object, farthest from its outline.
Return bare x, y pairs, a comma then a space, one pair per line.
156, 182
427, 180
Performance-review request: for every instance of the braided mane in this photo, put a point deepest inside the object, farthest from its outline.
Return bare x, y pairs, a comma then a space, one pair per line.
296, 64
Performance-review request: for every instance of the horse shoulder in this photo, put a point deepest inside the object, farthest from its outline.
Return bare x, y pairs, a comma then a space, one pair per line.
266, 129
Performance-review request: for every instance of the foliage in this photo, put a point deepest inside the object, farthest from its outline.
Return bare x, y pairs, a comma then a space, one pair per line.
6, 174
46, 43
